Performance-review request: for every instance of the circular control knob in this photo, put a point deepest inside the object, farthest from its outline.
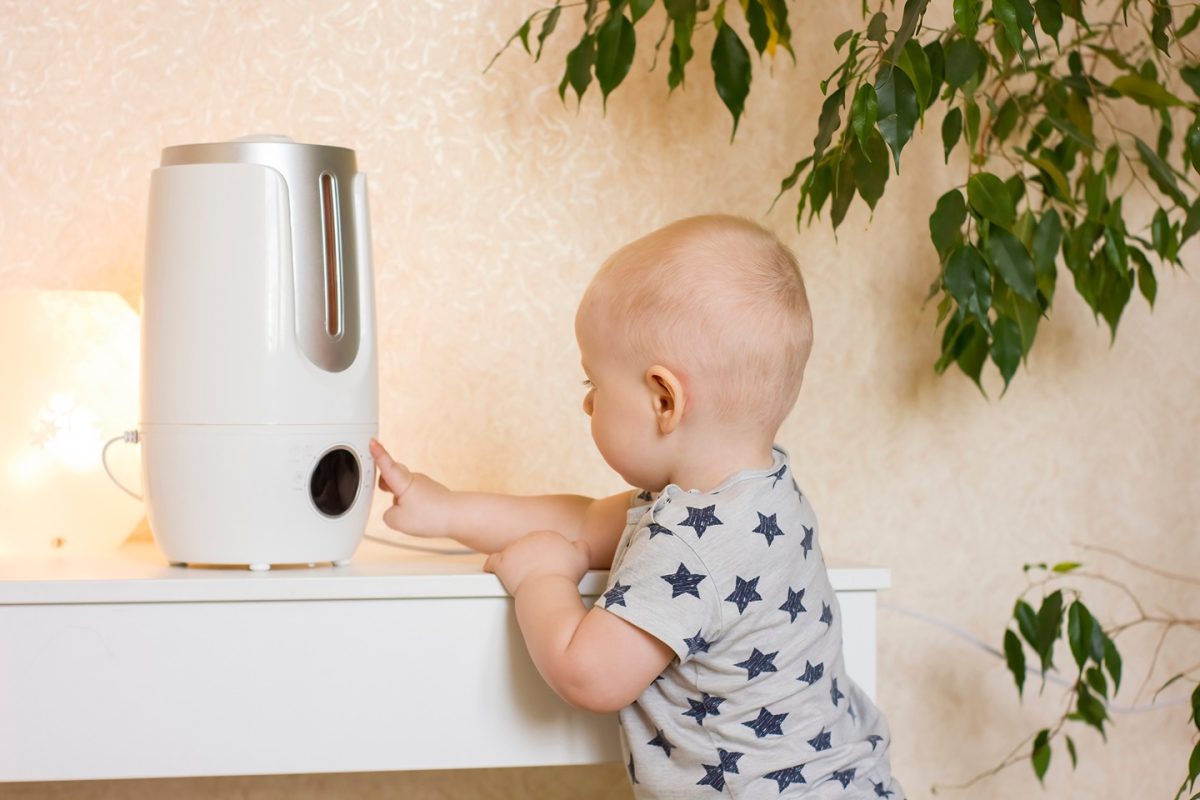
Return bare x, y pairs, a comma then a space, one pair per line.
334, 483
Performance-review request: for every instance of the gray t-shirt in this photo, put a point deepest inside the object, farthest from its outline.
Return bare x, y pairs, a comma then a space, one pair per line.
758, 702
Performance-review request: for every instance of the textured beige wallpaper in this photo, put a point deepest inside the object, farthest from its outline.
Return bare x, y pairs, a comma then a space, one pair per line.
492, 205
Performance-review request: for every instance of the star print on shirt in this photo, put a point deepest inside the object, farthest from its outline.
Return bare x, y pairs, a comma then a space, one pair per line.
834, 694
807, 541
786, 777
822, 741
745, 593
684, 582
758, 663
701, 519
812, 674
656, 529
616, 595
768, 527
826, 612
697, 644
778, 475
660, 740
794, 605
843, 777
645, 495
767, 723
874, 739
708, 705
880, 791
715, 773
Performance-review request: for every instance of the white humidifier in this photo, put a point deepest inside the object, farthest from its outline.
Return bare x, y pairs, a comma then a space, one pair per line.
259, 377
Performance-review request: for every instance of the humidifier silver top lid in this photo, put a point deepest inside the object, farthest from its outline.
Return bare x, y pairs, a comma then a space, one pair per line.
324, 222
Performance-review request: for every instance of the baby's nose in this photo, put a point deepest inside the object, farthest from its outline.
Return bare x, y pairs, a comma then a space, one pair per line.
588, 403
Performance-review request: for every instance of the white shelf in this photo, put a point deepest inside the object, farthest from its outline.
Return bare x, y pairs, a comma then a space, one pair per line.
121, 666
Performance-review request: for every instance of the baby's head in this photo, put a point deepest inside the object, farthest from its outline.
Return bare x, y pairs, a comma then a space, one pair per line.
719, 301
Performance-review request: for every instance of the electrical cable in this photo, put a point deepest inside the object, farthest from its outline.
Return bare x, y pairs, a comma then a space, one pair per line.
441, 551
129, 437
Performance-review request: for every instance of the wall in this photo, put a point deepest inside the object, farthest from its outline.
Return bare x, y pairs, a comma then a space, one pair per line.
492, 205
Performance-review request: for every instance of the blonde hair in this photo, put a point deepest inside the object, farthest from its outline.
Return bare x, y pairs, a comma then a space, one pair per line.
720, 299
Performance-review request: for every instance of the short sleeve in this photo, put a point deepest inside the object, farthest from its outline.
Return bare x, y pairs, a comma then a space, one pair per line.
663, 587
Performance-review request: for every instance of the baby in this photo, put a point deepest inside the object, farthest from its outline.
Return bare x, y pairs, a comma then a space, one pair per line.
719, 637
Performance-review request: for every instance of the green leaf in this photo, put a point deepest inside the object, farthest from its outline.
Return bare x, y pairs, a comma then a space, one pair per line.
1046, 240
828, 122
1005, 11
1024, 13
951, 131
1026, 619
1144, 91
877, 27
1057, 179
1112, 662
1196, 706
989, 197
915, 64
913, 10
760, 31
963, 59
1160, 20
1024, 312
966, 16
777, 20
1079, 632
579, 67
871, 170
864, 111
731, 71
1194, 768
973, 353
1191, 73
791, 179
959, 276
946, 221
1041, 753
843, 187
1191, 143
1163, 175
1071, 752
548, 26
972, 126
1188, 25
937, 68
638, 8
615, 45
1147, 283
1095, 679
1005, 119
1049, 627
1006, 347
682, 14
1014, 654
1090, 709
1191, 225
1049, 17
523, 34
898, 111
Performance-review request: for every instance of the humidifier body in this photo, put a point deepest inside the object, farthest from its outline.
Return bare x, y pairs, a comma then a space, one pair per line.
259, 390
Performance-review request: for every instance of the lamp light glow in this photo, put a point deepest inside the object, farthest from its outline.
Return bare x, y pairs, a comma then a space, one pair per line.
70, 381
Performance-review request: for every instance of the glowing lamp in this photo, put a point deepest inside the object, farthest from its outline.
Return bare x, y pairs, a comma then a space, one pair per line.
68, 384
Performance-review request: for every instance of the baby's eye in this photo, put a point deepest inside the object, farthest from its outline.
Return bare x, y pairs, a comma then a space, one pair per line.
588, 384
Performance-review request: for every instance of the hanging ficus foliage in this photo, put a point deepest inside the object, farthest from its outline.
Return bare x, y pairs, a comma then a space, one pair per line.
1036, 93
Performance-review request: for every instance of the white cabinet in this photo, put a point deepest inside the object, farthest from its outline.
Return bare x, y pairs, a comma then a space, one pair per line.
123, 667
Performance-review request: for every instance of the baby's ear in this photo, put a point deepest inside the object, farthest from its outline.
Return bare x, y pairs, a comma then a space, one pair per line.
668, 397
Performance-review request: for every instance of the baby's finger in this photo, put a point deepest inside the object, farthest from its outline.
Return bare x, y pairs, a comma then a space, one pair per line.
490, 564
393, 477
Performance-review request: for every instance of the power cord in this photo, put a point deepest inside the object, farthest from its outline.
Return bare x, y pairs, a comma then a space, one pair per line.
129, 437
441, 551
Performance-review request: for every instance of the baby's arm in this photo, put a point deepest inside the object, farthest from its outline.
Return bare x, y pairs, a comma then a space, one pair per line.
490, 522
591, 659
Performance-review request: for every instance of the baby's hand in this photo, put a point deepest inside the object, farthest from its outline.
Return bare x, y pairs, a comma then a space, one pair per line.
421, 506
539, 553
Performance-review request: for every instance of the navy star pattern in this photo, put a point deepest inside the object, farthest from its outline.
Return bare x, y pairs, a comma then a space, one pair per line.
684, 582
751, 524
745, 593
706, 706
786, 777
697, 644
843, 776
758, 663
767, 724
794, 605
616, 595
701, 519
834, 694
812, 674
768, 527
661, 740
